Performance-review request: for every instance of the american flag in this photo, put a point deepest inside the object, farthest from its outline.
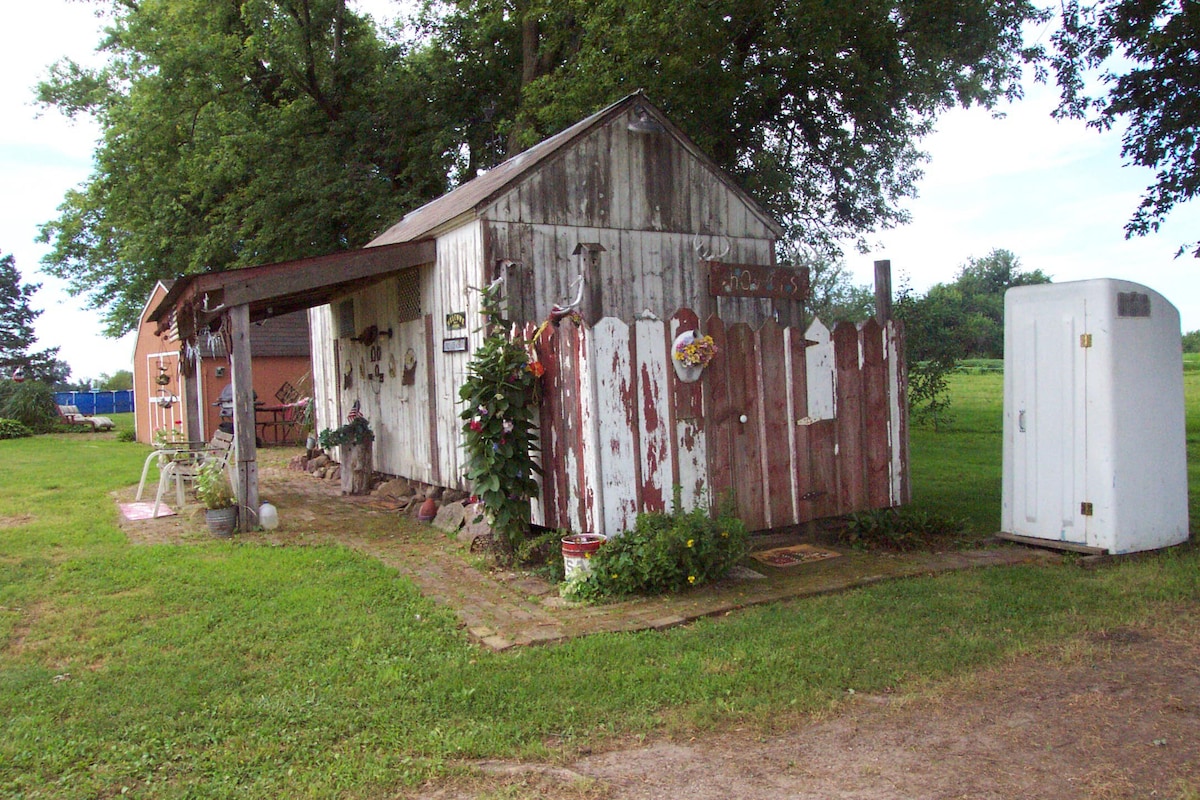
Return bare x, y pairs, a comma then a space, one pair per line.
355, 413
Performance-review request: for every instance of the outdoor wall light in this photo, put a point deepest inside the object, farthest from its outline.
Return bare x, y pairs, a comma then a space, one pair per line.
643, 123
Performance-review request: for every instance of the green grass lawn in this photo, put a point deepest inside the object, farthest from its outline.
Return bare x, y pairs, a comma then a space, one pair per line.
230, 669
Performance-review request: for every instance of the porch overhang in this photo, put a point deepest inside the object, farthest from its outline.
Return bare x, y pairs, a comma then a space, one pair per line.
240, 297
271, 290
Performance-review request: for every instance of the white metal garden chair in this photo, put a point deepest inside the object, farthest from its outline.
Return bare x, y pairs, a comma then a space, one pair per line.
182, 465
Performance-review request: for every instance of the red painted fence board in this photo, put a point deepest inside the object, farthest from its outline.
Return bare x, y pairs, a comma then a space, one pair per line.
619, 428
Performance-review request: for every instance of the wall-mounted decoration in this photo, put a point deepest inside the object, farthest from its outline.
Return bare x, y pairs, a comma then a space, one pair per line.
410, 368
392, 364
456, 345
456, 320
348, 378
753, 280
691, 353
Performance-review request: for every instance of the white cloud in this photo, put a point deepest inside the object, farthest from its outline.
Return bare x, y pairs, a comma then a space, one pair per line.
1056, 194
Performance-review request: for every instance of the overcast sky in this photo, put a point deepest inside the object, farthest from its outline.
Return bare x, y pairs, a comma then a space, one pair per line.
1055, 194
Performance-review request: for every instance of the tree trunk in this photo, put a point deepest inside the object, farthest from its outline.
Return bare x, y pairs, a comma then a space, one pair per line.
357, 464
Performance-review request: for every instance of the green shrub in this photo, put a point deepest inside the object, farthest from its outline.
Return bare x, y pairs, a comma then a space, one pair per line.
542, 552
664, 553
126, 436
32, 404
11, 429
356, 431
902, 529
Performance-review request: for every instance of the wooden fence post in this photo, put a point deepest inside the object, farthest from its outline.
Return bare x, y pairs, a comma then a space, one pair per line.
883, 291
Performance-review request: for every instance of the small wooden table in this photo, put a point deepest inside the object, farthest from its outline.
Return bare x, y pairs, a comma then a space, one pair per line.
280, 420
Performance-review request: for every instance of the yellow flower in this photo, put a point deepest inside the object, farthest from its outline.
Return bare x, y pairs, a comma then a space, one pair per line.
691, 578
724, 534
614, 576
691, 542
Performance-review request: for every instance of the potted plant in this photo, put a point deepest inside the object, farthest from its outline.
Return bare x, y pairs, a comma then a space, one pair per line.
216, 495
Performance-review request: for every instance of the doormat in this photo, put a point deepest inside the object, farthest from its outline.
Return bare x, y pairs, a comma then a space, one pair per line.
793, 555
140, 511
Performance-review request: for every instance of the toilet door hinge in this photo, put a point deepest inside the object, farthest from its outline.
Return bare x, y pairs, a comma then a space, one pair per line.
1085, 509
1085, 340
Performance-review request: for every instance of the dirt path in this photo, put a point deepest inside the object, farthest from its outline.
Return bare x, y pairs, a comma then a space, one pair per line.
1115, 715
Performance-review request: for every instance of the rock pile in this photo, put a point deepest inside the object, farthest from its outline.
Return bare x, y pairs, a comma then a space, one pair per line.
456, 513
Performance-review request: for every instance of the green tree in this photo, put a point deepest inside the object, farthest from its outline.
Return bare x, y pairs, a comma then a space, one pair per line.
1191, 342
817, 107
119, 381
833, 296
982, 283
235, 133
1148, 50
950, 322
936, 333
17, 336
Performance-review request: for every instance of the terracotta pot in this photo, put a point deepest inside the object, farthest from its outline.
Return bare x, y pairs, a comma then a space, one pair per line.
428, 510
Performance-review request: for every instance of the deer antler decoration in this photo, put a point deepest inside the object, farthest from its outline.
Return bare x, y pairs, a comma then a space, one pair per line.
708, 254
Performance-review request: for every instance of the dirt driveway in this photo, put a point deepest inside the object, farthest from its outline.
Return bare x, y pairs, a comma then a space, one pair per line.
1115, 715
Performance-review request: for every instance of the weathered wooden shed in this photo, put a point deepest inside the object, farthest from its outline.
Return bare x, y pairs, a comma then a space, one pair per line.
624, 218
625, 215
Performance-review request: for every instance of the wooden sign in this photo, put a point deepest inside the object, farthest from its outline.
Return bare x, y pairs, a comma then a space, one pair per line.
754, 280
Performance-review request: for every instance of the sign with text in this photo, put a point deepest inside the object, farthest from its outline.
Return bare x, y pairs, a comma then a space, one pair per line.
754, 280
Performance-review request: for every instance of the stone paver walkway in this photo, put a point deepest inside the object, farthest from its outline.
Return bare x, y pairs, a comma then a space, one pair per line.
503, 609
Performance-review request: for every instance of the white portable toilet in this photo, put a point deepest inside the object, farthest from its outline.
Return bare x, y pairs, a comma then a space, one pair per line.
1095, 455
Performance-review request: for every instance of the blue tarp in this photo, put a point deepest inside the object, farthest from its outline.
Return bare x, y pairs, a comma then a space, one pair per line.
97, 402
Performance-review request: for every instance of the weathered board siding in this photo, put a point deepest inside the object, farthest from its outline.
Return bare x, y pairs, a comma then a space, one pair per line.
613, 178
325, 394
459, 274
417, 430
620, 432
638, 270
648, 200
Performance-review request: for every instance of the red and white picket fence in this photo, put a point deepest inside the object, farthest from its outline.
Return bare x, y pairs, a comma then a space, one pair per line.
790, 425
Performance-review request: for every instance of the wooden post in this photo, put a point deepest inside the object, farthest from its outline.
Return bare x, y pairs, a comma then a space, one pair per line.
592, 306
883, 291
358, 464
243, 416
192, 402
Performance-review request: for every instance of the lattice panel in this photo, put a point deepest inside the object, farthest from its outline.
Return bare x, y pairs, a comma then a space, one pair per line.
345, 319
408, 292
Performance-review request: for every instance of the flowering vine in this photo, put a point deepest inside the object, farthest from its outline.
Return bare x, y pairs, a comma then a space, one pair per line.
499, 425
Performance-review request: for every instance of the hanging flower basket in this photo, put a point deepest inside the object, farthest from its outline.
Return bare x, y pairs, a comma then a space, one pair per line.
162, 379
691, 353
